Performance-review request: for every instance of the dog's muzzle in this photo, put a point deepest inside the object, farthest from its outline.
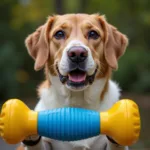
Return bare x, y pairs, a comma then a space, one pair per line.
77, 76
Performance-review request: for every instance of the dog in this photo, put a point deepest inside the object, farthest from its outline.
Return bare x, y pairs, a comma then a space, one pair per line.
78, 52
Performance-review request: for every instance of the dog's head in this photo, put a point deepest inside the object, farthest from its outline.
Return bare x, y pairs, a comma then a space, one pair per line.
76, 47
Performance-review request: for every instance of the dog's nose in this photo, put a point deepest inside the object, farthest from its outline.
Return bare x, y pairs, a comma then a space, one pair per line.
77, 54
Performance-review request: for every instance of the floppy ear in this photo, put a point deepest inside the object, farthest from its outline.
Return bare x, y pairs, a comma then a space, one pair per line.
115, 43
37, 44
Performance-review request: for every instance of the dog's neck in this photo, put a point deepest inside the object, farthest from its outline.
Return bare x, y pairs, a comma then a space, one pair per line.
57, 95
85, 98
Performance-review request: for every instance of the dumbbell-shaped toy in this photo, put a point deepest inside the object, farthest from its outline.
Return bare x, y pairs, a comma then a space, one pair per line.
121, 122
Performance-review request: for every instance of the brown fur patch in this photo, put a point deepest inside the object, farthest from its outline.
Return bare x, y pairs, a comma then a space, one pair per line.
114, 45
44, 84
105, 89
37, 44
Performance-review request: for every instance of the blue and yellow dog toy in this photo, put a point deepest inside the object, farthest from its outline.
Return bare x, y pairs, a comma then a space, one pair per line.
121, 122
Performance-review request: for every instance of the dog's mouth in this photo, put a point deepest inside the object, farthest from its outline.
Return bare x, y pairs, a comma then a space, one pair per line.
77, 78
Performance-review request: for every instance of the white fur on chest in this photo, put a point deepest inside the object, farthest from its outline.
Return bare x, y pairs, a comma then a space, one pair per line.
59, 96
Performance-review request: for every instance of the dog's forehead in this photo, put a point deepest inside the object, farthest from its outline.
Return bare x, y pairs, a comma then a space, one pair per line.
76, 19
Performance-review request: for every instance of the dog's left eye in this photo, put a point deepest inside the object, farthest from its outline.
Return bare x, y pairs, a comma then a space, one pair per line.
59, 35
93, 35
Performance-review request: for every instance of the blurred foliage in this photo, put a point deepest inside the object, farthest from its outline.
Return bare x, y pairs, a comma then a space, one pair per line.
21, 17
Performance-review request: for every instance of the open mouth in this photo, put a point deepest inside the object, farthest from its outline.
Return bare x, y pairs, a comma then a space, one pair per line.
77, 78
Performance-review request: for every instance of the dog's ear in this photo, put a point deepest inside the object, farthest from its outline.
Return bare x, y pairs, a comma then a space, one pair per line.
37, 44
115, 43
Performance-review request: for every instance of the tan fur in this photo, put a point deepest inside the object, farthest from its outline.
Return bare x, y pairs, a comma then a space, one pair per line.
37, 45
104, 89
115, 43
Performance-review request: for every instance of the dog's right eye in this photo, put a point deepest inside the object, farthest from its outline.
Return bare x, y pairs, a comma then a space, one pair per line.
93, 35
59, 35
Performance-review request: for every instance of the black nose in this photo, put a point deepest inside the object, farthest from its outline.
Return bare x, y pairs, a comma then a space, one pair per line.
77, 54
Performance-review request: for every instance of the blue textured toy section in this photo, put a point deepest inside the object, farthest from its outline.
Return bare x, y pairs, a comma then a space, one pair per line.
69, 124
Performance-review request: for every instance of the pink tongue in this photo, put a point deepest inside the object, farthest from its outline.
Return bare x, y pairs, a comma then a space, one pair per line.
77, 77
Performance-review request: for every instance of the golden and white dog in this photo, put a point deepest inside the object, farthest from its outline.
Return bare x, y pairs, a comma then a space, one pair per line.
78, 52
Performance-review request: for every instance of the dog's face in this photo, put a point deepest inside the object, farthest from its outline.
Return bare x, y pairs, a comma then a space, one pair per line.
76, 47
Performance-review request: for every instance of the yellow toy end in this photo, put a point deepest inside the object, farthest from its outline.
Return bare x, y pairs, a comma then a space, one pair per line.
14, 125
122, 122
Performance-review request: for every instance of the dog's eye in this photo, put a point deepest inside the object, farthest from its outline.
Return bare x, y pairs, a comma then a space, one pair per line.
59, 35
93, 35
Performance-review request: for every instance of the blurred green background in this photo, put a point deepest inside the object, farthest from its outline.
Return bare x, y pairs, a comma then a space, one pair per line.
18, 18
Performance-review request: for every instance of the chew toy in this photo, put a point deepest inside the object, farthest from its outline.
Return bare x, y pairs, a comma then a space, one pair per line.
121, 122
